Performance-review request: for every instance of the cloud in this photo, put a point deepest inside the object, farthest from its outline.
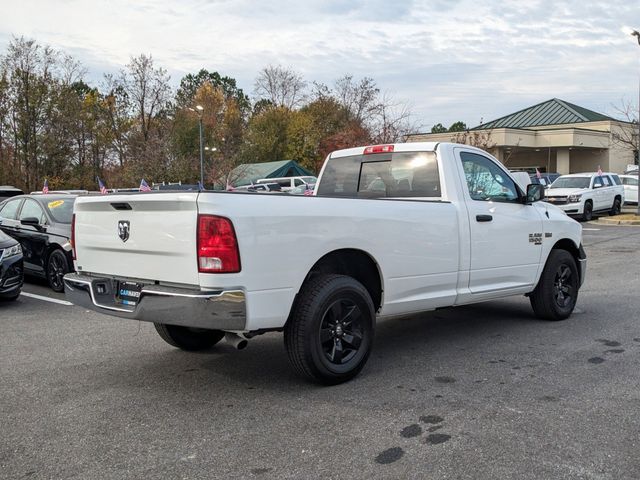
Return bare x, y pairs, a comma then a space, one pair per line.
453, 60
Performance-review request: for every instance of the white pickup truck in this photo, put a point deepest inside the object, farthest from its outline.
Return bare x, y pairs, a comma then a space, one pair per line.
391, 230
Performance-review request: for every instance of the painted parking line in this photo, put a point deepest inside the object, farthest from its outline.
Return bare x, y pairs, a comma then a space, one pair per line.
591, 229
46, 299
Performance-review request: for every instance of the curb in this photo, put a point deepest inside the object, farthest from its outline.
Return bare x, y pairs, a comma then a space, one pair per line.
613, 221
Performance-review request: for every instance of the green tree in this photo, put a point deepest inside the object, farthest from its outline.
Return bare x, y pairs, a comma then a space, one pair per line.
458, 127
438, 128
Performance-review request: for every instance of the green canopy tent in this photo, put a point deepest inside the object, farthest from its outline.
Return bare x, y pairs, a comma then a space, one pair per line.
248, 173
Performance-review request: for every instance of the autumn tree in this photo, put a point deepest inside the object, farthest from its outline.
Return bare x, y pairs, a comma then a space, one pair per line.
281, 86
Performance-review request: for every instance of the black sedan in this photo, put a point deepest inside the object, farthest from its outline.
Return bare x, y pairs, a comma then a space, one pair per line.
42, 225
11, 274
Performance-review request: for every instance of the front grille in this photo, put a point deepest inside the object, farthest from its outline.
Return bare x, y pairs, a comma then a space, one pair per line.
556, 200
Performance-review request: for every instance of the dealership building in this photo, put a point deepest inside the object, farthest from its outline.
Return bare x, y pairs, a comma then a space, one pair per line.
553, 136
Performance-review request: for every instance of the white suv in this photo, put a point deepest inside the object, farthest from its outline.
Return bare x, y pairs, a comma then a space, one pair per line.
582, 194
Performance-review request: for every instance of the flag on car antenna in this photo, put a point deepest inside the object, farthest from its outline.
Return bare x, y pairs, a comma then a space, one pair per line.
45, 187
103, 189
144, 186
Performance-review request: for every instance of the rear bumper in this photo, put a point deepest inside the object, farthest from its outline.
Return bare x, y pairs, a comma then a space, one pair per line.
211, 309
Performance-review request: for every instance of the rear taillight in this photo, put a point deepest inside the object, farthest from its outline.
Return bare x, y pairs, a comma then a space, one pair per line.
378, 149
73, 236
217, 245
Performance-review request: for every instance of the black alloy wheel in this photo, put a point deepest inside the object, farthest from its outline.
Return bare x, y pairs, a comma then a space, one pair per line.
616, 208
57, 268
341, 331
563, 286
329, 333
587, 214
556, 294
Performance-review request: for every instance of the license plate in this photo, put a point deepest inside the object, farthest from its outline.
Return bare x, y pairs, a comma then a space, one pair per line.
128, 293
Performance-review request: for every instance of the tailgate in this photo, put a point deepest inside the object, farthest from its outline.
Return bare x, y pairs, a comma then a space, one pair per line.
149, 236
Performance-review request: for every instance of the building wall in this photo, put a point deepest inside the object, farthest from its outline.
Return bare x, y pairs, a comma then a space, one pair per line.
588, 160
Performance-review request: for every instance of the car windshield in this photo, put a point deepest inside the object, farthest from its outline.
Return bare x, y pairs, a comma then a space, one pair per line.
571, 182
61, 209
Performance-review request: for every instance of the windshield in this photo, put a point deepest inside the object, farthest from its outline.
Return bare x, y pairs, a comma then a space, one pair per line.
571, 182
61, 209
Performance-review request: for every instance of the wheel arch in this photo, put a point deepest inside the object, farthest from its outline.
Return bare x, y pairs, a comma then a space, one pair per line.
354, 263
576, 251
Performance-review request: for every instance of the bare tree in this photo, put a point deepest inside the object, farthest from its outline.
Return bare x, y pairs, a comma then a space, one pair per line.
148, 89
281, 86
361, 99
476, 138
627, 137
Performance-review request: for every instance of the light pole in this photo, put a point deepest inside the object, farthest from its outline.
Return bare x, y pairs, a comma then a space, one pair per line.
199, 109
212, 150
636, 34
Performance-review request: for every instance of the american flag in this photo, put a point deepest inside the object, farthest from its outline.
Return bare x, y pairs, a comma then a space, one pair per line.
308, 191
103, 189
45, 188
144, 187
230, 187
538, 174
599, 170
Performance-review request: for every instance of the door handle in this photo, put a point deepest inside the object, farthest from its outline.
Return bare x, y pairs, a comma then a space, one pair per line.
484, 218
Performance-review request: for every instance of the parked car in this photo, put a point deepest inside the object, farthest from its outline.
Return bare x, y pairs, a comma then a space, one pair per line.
630, 183
42, 225
259, 187
450, 227
7, 191
545, 179
583, 194
289, 183
11, 273
631, 169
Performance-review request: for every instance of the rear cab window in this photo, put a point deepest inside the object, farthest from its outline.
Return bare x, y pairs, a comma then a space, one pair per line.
382, 175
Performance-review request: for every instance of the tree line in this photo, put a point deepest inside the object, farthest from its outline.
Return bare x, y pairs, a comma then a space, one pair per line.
54, 125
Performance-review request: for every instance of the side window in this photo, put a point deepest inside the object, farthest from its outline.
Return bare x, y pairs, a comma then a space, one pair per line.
625, 181
297, 182
606, 181
597, 182
486, 181
10, 209
31, 209
616, 179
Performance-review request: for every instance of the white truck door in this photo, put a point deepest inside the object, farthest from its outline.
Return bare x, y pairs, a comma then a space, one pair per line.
506, 235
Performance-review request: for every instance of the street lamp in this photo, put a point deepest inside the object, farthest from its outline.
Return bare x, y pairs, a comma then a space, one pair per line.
199, 109
636, 34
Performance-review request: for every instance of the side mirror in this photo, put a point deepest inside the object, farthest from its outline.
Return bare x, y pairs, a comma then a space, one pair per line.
32, 222
597, 185
535, 192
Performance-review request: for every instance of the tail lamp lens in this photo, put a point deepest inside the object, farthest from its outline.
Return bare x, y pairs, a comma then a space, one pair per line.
217, 245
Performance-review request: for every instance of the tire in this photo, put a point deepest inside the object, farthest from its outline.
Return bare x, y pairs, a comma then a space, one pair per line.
329, 334
10, 298
189, 339
57, 268
556, 294
587, 214
615, 209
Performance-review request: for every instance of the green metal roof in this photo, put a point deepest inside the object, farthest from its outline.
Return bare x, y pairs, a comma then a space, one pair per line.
551, 112
247, 173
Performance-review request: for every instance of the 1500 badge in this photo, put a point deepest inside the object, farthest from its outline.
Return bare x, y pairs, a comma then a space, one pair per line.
535, 238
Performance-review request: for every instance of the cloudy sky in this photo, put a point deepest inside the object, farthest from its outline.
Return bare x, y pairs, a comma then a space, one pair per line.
451, 60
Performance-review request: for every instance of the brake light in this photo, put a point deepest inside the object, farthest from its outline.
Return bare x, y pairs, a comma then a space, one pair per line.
217, 245
73, 236
378, 149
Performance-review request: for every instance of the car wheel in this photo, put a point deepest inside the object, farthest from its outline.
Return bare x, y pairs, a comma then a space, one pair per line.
11, 297
57, 268
587, 214
190, 339
556, 294
329, 334
615, 209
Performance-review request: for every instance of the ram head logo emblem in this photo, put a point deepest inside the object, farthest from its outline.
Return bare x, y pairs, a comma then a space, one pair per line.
124, 227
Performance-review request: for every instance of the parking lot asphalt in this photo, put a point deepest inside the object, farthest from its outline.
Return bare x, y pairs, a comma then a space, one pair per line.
485, 391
